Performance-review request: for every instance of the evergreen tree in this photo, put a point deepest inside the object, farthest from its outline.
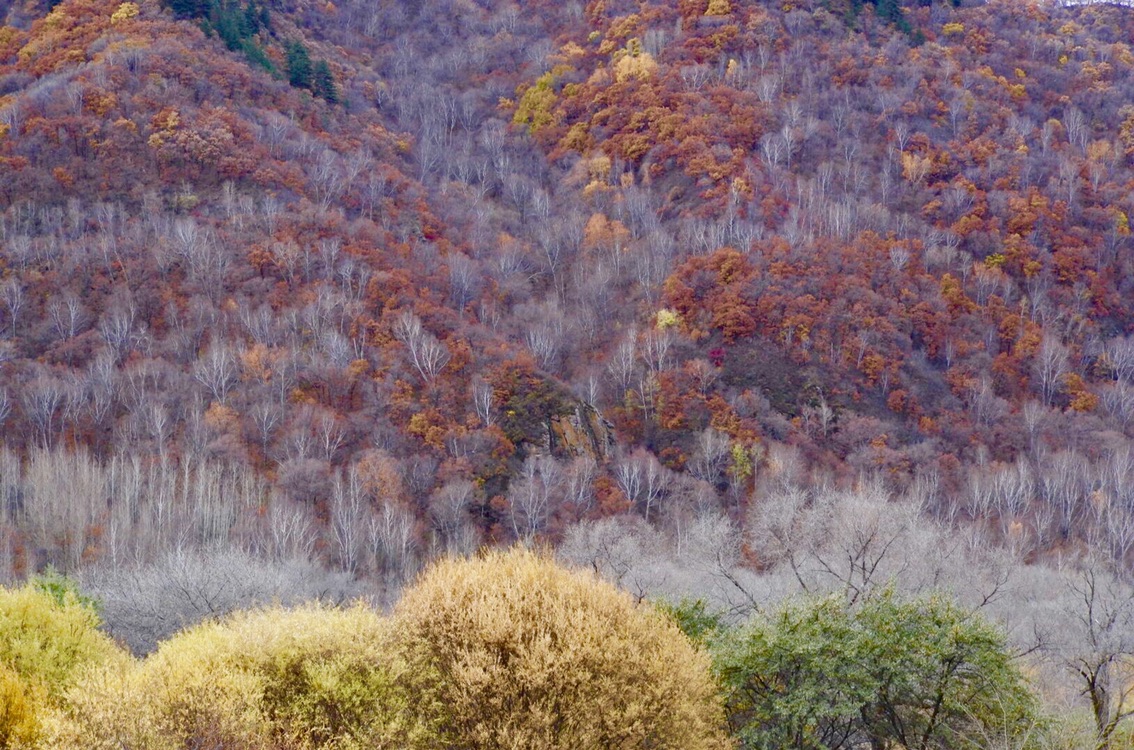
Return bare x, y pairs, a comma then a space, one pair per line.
888, 10
255, 17
323, 82
298, 65
189, 8
257, 56
891, 11
227, 25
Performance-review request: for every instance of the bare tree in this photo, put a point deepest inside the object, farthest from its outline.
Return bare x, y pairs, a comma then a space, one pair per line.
64, 495
464, 280
68, 316
428, 355
856, 541
328, 178
394, 545
531, 496
290, 530
482, 401
266, 417
144, 604
1050, 366
624, 550
1092, 637
217, 370
579, 480
622, 364
348, 519
12, 292
448, 509
41, 399
628, 474
711, 459
203, 257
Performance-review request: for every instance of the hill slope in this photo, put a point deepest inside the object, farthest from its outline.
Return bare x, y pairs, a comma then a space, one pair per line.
521, 266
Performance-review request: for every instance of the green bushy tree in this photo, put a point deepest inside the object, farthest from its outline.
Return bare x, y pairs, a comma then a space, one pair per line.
916, 674
694, 618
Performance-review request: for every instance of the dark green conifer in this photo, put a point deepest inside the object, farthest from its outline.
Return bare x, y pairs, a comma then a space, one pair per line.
298, 65
323, 82
189, 8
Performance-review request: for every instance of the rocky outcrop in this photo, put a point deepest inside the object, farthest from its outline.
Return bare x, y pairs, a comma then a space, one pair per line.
583, 433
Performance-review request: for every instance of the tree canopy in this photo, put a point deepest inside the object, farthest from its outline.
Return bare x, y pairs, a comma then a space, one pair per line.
48, 634
512, 650
919, 674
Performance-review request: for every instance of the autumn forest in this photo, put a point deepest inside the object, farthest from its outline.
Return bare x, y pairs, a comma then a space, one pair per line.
738, 305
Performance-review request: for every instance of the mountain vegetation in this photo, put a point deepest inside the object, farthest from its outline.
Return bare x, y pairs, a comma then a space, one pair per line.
819, 313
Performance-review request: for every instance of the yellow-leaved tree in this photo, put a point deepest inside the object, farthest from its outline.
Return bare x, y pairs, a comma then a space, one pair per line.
313, 677
48, 636
511, 650
508, 650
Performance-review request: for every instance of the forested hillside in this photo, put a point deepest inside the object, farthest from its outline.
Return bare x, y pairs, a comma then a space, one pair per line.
729, 298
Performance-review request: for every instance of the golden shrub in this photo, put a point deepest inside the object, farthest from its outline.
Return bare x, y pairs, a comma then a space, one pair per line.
125, 12
46, 639
19, 724
718, 8
514, 651
299, 679
642, 66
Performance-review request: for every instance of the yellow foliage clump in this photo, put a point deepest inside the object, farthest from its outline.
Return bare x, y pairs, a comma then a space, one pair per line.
598, 167
514, 651
1121, 223
313, 677
577, 138
718, 8
11, 39
56, 19
624, 27
1100, 151
603, 233
633, 62
536, 104
19, 724
914, 167
571, 51
507, 651
221, 417
125, 12
643, 67
667, 318
47, 637
1081, 398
